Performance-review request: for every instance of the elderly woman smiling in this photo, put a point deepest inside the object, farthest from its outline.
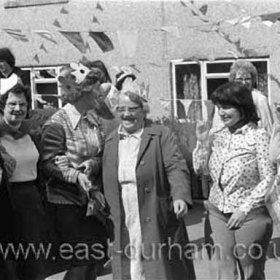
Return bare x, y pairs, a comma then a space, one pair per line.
146, 183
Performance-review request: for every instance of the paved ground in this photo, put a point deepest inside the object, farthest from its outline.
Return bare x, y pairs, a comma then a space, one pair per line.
195, 225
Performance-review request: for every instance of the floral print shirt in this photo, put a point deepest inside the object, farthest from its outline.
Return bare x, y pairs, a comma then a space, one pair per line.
239, 166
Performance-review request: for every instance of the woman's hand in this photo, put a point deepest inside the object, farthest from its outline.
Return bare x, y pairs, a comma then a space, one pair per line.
236, 220
180, 208
61, 162
84, 182
86, 167
202, 130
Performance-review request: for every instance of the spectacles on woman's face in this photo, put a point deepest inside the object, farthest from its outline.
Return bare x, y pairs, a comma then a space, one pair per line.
13, 105
128, 109
241, 80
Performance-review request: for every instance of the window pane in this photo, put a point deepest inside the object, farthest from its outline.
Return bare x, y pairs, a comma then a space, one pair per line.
188, 81
188, 89
218, 67
262, 76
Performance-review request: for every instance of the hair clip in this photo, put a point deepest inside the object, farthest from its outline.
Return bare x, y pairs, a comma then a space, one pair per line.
80, 71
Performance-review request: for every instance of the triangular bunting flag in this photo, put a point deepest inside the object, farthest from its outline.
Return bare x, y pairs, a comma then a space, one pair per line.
46, 35
245, 19
102, 40
203, 9
186, 103
98, 7
171, 29
76, 39
166, 104
246, 24
128, 40
233, 21
94, 19
270, 17
16, 34
134, 67
268, 23
63, 11
56, 23
42, 47
36, 58
183, 3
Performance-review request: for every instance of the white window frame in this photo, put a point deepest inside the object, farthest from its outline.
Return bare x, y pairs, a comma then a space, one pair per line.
204, 76
34, 81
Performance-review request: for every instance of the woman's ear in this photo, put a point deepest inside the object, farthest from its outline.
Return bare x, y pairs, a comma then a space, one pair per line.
105, 88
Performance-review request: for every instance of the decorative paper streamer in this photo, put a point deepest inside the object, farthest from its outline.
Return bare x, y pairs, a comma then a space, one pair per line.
63, 11
166, 105
56, 23
94, 19
98, 7
46, 35
135, 68
171, 29
128, 40
268, 23
102, 40
246, 24
76, 39
36, 58
203, 9
16, 34
42, 47
273, 17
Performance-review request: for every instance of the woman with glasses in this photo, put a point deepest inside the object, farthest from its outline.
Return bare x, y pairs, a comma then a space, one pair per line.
147, 185
20, 156
236, 156
245, 72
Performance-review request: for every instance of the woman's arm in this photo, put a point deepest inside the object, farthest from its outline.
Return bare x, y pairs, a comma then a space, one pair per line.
53, 143
266, 173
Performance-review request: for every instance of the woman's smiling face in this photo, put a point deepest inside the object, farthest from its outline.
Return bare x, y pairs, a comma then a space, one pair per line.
230, 115
131, 114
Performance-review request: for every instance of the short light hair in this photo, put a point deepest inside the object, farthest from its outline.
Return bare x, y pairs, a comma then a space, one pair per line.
246, 66
85, 86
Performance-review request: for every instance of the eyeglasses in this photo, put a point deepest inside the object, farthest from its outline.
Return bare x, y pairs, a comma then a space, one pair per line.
248, 79
129, 109
14, 105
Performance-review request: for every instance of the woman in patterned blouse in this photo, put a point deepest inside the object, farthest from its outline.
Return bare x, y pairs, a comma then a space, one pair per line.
237, 159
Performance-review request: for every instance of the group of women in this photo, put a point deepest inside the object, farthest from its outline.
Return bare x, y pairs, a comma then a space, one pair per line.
83, 187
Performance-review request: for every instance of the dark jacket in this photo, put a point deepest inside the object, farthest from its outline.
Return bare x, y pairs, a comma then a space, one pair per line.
162, 177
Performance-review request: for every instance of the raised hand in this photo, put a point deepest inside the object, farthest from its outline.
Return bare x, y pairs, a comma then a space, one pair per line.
202, 130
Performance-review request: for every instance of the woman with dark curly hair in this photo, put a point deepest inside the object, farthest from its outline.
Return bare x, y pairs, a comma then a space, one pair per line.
236, 157
244, 72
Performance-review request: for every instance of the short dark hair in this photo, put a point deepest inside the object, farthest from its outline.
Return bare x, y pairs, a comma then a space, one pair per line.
238, 96
6, 55
17, 89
